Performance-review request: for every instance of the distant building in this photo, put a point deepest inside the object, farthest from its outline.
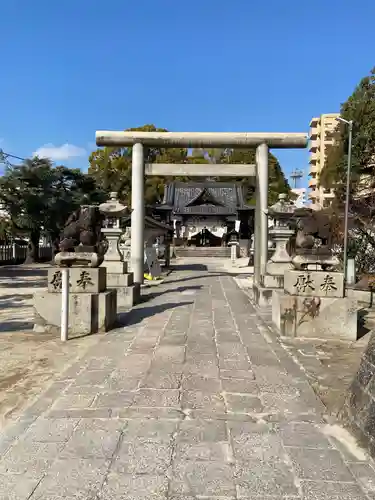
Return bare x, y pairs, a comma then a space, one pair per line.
301, 193
322, 136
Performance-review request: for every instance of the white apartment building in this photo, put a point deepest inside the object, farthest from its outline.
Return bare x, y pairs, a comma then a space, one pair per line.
322, 136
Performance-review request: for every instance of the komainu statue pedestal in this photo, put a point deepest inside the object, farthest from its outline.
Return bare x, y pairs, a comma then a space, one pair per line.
312, 305
92, 308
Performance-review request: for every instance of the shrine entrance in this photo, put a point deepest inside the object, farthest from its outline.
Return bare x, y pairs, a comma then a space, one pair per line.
141, 140
205, 239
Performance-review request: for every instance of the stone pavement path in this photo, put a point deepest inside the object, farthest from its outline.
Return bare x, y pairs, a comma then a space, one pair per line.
194, 399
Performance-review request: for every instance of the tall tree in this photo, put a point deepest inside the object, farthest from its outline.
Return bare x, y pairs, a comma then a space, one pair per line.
111, 168
360, 108
39, 198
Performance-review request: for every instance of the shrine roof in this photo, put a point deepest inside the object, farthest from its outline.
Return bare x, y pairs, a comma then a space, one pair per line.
203, 198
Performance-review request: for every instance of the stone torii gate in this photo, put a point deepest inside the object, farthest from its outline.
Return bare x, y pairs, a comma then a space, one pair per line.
141, 140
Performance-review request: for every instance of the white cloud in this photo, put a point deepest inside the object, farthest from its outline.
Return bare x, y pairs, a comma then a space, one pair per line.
58, 153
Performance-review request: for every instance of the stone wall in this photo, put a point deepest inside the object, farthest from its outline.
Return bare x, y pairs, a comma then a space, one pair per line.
358, 413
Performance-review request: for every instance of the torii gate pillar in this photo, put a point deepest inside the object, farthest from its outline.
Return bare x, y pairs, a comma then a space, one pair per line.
261, 211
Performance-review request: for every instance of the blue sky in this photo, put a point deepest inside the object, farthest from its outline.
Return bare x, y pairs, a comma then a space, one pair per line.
72, 67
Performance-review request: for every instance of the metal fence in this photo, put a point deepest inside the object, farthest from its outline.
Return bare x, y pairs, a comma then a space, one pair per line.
16, 254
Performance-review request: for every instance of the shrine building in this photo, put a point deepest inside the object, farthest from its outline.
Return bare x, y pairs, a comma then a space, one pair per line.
206, 213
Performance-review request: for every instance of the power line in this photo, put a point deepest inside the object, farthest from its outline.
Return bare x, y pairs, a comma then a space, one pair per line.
4, 158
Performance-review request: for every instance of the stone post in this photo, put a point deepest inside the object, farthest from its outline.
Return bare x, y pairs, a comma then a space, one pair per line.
138, 213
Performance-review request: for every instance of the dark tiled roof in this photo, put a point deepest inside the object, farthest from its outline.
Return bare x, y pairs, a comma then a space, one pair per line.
203, 197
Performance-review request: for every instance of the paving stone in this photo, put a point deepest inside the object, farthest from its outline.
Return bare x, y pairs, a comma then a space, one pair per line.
177, 339
263, 478
237, 374
129, 487
120, 381
312, 490
231, 350
140, 457
203, 400
26, 457
162, 380
304, 435
240, 386
324, 465
169, 354
73, 401
220, 451
199, 383
234, 364
151, 430
241, 403
121, 399
198, 431
148, 412
72, 478
79, 413
92, 377
209, 369
157, 398
256, 441
12, 487
51, 430
93, 440
365, 475
200, 478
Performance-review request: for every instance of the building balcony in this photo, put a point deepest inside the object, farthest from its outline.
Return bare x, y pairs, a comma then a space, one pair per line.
314, 145
314, 194
313, 182
314, 121
314, 169
328, 196
314, 156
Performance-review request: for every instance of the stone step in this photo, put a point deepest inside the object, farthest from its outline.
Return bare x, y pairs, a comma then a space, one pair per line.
218, 252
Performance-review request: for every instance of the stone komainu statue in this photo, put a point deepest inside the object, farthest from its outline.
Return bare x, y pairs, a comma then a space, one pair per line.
314, 230
82, 231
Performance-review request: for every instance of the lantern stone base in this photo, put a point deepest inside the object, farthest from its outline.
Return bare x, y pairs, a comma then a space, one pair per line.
262, 296
333, 318
88, 312
128, 292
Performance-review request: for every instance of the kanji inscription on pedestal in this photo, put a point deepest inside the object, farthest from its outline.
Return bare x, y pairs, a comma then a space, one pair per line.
304, 283
314, 283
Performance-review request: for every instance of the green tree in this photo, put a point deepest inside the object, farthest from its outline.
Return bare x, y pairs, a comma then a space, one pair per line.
277, 181
360, 108
39, 198
111, 168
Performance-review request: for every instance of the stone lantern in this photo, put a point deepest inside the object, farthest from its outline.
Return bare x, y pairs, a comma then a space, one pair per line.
118, 276
113, 210
282, 213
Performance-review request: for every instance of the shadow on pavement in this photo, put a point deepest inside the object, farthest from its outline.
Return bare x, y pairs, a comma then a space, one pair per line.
16, 326
179, 289
188, 267
135, 316
14, 301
